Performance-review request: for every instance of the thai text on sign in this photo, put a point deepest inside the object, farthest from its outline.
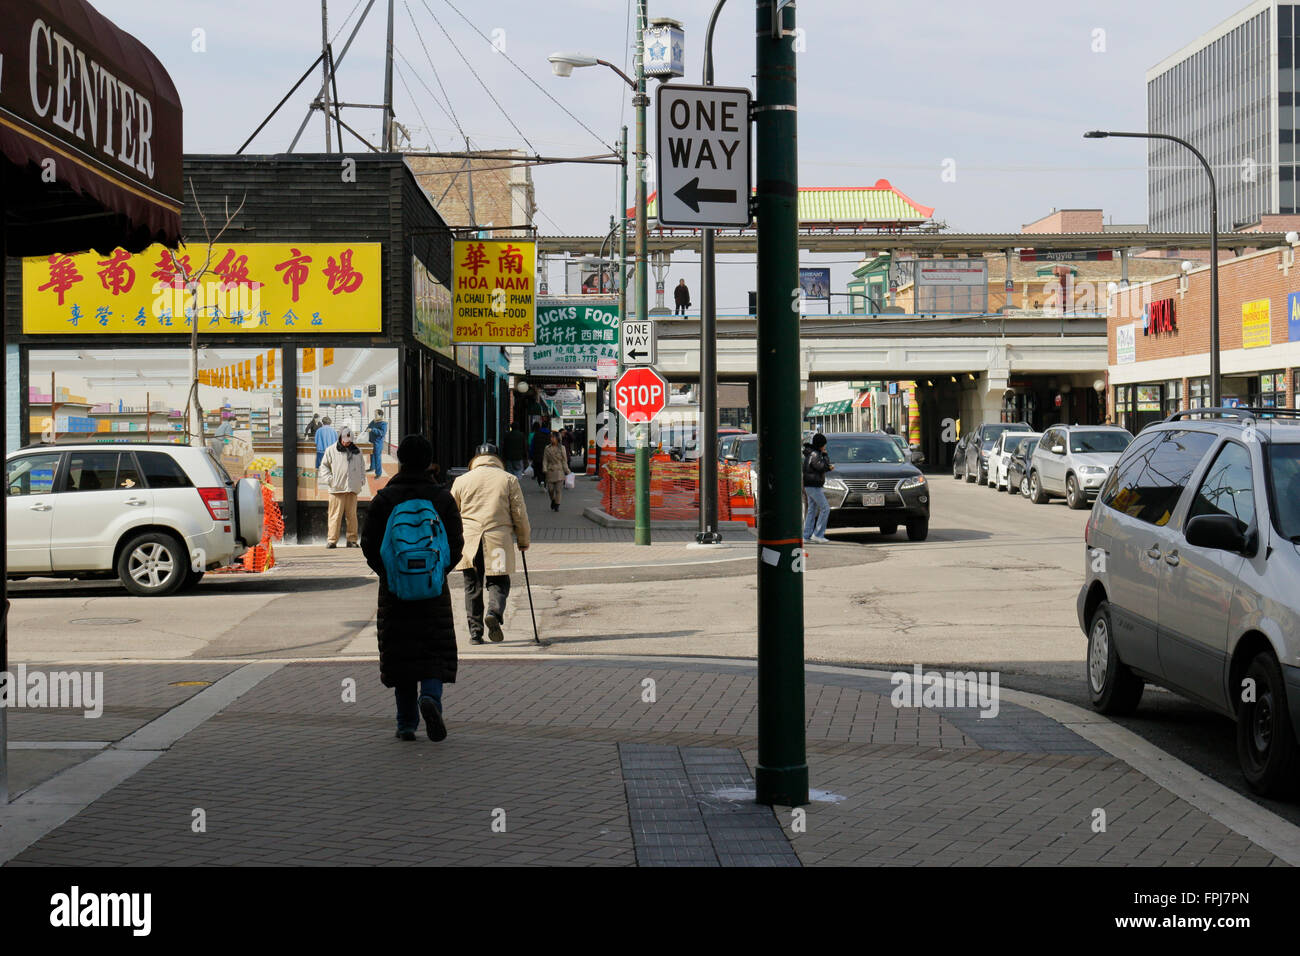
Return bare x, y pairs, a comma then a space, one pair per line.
247, 287
493, 291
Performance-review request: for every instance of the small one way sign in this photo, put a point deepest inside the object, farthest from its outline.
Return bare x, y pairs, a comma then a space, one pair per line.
702, 160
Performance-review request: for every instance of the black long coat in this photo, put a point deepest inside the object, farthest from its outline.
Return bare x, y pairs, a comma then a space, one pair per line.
417, 639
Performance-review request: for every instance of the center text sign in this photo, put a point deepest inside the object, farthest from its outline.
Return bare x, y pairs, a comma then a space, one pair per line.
493, 291
702, 157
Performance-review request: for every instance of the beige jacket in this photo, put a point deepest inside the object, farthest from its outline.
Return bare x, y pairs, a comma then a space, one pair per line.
340, 472
492, 511
555, 463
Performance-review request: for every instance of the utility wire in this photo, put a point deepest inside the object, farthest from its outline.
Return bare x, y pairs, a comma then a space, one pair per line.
432, 95
522, 71
420, 36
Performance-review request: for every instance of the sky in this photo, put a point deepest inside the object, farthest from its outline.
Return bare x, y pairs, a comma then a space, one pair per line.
997, 94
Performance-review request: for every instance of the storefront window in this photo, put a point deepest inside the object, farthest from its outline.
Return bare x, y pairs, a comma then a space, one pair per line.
1200, 392
1173, 400
347, 386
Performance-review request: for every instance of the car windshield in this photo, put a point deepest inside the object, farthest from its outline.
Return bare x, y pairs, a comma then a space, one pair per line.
1099, 442
746, 450
990, 433
1009, 442
847, 450
1025, 448
1284, 476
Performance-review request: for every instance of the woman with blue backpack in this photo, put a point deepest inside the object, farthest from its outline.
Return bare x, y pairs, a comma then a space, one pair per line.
412, 538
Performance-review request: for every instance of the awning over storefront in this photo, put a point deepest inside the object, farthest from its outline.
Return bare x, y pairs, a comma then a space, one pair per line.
863, 400
829, 408
90, 134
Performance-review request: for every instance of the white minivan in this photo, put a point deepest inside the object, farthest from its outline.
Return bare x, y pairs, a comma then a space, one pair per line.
154, 516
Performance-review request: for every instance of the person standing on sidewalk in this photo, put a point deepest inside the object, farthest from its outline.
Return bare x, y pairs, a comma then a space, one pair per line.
343, 474
492, 511
681, 298
325, 436
537, 449
417, 638
815, 465
377, 432
515, 448
555, 465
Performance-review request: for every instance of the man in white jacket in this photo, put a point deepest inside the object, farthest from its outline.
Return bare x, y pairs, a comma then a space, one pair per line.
343, 473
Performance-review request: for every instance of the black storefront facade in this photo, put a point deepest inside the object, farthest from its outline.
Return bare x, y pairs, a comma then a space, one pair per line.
337, 219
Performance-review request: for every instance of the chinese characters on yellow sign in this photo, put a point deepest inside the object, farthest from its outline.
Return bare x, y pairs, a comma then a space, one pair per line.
1256, 324
249, 287
493, 289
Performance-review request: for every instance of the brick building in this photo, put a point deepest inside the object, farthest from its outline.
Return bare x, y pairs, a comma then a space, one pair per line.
500, 192
1158, 339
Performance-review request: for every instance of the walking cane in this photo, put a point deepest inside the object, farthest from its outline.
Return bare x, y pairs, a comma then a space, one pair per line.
529, 588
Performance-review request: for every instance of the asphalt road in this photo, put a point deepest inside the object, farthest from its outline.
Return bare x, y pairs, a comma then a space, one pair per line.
992, 588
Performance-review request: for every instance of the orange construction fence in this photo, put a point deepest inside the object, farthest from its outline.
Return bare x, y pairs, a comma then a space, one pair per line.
262, 555
674, 490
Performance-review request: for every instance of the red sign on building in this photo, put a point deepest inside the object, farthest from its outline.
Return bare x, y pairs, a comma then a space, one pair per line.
1160, 317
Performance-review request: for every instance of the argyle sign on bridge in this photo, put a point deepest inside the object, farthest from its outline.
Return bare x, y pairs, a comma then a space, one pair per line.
702, 160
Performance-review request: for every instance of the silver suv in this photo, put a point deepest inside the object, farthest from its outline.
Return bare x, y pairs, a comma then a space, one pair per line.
1073, 461
155, 516
1192, 578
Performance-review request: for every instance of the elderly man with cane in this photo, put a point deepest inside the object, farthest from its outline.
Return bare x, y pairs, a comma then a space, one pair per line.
495, 518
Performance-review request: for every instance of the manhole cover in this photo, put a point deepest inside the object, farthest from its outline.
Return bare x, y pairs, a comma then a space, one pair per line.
105, 621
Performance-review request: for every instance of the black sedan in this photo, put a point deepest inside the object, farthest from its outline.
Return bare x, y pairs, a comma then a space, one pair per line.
1018, 467
873, 485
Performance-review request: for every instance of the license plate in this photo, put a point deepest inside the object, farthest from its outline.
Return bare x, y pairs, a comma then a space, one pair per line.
874, 501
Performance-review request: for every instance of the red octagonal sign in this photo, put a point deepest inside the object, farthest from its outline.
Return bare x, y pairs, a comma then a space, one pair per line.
640, 394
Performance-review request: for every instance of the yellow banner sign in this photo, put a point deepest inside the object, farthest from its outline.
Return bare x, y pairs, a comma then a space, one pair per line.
1256, 324
493, 291
268, 287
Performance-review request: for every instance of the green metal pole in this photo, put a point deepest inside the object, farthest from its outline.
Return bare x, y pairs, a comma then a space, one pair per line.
782, 776
614, 417
642, 535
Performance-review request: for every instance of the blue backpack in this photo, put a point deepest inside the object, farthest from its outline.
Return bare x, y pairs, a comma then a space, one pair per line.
415, 551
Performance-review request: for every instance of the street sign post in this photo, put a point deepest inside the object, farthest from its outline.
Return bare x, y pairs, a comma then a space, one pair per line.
640, 394
702, 159
639, 343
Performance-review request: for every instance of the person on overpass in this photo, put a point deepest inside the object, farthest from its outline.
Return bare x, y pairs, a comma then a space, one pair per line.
681, 297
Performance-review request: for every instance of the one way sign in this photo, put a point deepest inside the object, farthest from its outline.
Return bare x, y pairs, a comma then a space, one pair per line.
702, 160
638, 340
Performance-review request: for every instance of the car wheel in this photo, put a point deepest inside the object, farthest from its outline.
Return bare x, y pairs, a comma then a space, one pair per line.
1112, 687
153, 564
957, 469
918, 529
1024, 485
889, 529
1036, 490
192, 579
969, 477
1075, 498
1266, 742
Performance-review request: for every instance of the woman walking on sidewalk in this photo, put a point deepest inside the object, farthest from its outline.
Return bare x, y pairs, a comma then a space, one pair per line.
555, 464
417, 638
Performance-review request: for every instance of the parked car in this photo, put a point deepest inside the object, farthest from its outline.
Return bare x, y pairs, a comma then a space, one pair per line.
1193, 554
1073, 461
1000, 458
155, 516
874, 485
1018, 464
911, 453
976, 462
738, 449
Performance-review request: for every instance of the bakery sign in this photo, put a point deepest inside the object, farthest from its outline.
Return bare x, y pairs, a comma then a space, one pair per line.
1158, 317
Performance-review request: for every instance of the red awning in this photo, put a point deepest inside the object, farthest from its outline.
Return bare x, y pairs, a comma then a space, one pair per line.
90, 127
863, 400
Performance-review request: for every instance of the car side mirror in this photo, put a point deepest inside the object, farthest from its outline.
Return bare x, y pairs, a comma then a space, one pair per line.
1219, 532
1058, 449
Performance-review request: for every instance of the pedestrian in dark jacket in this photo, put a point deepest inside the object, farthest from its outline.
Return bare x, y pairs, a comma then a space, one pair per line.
515, 449
417, 639
541, 438
681, 298
815, 465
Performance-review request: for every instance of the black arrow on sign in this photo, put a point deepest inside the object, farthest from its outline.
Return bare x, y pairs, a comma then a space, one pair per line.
636, 354
692, 195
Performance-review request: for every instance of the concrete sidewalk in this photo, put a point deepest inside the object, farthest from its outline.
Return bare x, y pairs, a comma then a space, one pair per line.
612, 761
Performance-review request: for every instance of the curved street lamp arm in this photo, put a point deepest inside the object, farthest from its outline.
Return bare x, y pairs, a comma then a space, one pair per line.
626, 79
708, 44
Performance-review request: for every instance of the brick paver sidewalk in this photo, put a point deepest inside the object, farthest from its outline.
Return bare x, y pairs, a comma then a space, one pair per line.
620, 762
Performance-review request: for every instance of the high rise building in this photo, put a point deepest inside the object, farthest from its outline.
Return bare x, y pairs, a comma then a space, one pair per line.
1230, 93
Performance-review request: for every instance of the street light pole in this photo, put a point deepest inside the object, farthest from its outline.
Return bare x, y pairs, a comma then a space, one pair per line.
708, 533
1216, 393
782, 774
640, 101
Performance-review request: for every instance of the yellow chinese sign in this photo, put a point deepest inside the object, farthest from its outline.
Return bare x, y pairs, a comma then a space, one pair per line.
493, 291
1256, 324
266, 287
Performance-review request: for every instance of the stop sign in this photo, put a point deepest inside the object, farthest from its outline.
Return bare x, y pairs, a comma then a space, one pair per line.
640, 394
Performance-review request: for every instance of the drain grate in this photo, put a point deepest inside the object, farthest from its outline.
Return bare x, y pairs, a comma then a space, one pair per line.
105, 621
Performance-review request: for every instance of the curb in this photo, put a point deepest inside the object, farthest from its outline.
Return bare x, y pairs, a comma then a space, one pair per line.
665, 524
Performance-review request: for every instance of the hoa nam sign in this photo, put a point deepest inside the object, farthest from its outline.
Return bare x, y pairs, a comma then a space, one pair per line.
1256, 324
574, 335
492, 284
250, 287
703, 156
